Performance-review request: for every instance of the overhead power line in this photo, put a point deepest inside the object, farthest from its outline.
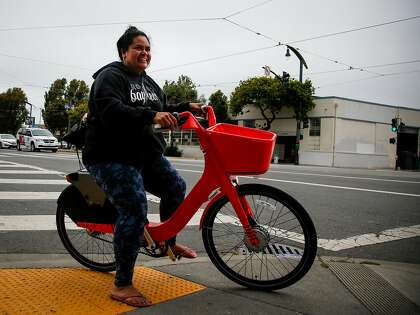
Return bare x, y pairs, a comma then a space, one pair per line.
44, 27
46, 62
393, 64
226, 19
354, 29
325, 35
367, 67
369, 78
247, 9
213, 58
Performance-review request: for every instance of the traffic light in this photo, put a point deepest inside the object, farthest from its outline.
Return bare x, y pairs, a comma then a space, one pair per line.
305, 123
394, 124
392, 140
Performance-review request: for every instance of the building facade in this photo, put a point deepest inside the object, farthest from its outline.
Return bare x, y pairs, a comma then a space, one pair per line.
345, 133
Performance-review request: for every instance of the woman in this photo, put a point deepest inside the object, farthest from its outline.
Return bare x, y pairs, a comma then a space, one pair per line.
125, 157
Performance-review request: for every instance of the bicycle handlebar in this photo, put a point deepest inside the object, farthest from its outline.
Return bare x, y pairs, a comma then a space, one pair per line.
191, 121
186, 120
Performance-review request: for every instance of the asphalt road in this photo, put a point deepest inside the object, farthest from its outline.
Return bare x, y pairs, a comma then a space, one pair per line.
378, 208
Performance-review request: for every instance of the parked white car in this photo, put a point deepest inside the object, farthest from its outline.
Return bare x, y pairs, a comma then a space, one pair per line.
36, 139
7, 141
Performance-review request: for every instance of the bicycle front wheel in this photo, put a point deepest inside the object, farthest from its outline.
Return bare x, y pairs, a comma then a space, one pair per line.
287, 239
92, 249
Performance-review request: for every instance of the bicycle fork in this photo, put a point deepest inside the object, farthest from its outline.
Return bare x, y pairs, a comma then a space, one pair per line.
244, 213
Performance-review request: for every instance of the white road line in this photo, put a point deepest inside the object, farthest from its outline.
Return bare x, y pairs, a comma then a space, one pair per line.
44, 156
191, 171
29, 172
315, 174
319, 185
47, 195
347, 177
370, 238
37, 168
10, 165
25, 195
47, 222
33, 181
337, 187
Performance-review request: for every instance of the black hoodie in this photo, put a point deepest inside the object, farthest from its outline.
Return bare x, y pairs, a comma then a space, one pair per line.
122, 106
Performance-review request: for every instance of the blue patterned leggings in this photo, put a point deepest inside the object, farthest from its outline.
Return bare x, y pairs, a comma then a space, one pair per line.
126, 188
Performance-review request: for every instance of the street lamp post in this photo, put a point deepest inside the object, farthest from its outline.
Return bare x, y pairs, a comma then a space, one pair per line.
302, 63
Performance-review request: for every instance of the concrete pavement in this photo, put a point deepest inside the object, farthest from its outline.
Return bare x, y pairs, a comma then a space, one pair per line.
332, 286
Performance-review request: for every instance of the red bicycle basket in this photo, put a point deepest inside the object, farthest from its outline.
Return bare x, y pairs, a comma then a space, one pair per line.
243, 150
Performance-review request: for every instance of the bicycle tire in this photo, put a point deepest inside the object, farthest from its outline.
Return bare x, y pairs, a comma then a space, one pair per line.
94, 256
307, 237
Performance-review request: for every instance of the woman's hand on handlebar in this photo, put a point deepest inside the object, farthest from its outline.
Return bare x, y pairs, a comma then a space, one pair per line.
197, 108
165, 120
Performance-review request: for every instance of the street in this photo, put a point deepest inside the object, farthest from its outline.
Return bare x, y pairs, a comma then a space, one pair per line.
368, 214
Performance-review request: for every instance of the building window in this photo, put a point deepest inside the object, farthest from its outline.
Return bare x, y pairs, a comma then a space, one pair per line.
250, 123
315, 127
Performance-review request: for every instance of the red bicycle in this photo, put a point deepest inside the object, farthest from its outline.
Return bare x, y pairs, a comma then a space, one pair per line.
256, 235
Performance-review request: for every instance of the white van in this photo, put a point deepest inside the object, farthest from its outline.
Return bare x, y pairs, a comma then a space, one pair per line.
36, 139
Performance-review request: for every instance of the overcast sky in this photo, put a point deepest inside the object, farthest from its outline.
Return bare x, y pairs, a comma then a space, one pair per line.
34, 51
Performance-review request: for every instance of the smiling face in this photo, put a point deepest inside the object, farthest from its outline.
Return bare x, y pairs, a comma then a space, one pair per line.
138, 55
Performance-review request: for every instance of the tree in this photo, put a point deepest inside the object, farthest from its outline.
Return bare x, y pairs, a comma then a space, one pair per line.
300, 93
77, 112
61, 102
266, 94
183, 90
299, 98
12, 110
219, 101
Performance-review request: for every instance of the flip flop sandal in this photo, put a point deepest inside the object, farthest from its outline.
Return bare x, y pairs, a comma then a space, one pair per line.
187, 252
126, 300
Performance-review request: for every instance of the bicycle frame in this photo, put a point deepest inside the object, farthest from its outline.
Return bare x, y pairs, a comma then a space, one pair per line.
214, 177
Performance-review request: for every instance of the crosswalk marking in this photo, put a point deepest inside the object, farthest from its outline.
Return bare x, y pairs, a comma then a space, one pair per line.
47, 195
28, 172
33, 181
47, 222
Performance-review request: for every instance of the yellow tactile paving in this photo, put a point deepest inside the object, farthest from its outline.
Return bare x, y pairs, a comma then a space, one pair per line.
80, 291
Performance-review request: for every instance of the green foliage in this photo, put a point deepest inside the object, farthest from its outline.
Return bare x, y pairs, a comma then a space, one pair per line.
77, 112
219, 101
300, 93
173, 150
183, 90
269, 95
12, 110
56, 116
264, 93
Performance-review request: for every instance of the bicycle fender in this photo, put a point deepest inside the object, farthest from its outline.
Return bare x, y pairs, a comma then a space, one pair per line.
209, 205
86, 208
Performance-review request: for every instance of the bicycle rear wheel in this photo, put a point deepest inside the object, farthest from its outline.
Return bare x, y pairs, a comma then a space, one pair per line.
287, 239
92, 249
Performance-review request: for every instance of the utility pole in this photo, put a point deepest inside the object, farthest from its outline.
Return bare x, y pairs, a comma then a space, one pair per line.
302, 63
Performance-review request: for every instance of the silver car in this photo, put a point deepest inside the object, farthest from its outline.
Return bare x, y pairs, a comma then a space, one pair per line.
7, 141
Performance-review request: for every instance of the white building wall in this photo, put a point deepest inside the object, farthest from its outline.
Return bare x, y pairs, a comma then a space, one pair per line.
353, 133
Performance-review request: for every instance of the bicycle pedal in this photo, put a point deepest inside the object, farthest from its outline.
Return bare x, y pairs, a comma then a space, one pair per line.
171, 254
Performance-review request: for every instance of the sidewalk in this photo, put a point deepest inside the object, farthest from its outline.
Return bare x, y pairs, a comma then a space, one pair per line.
332, 286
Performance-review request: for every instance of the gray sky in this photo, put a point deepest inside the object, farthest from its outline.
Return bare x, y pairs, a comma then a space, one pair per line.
76, 52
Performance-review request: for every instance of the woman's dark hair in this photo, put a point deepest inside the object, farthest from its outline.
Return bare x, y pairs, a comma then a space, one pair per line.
127, 38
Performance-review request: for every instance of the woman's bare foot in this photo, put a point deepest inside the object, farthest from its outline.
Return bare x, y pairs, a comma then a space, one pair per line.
184, 251
130, 296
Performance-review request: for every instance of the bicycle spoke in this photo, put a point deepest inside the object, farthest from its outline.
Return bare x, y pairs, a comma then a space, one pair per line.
277, 227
